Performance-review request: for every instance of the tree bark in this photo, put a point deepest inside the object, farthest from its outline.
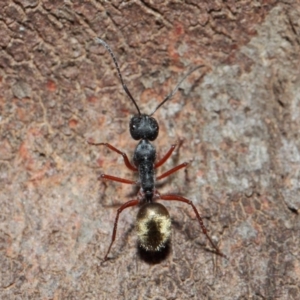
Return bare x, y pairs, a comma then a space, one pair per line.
239, 118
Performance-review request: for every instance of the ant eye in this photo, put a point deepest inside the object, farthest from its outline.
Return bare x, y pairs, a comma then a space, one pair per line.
135, 127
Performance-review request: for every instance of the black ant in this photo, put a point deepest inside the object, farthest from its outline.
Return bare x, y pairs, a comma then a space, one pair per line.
153, 220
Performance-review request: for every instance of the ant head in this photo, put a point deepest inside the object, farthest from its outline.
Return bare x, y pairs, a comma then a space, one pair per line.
153, 226
143, 127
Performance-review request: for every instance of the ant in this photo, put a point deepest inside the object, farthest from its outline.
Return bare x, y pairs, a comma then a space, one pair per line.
153, 223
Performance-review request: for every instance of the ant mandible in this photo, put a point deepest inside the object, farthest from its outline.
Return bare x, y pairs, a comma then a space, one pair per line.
153, 223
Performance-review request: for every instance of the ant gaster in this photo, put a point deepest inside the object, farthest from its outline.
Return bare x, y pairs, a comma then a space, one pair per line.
153, 223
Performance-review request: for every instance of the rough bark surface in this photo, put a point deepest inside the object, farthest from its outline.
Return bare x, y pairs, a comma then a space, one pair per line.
239, 118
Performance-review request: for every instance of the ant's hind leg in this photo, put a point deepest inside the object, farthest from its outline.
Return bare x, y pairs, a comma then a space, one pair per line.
171, 197
125, 205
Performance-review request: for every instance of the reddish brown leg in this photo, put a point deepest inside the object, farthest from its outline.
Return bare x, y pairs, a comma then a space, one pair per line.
125, 205
167, 155
181, 166
189, 202
117, 179
125, 158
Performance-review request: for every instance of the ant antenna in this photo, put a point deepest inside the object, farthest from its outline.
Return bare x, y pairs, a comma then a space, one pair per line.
99, 41
176, 88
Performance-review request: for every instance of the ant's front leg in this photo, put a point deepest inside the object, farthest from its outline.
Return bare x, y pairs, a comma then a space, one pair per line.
168, 154
164, 159
126, 160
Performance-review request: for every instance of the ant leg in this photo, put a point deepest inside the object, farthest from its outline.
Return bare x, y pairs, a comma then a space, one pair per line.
167, 155
181, 166
189, 202
125, 205
117, 179
125, 158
